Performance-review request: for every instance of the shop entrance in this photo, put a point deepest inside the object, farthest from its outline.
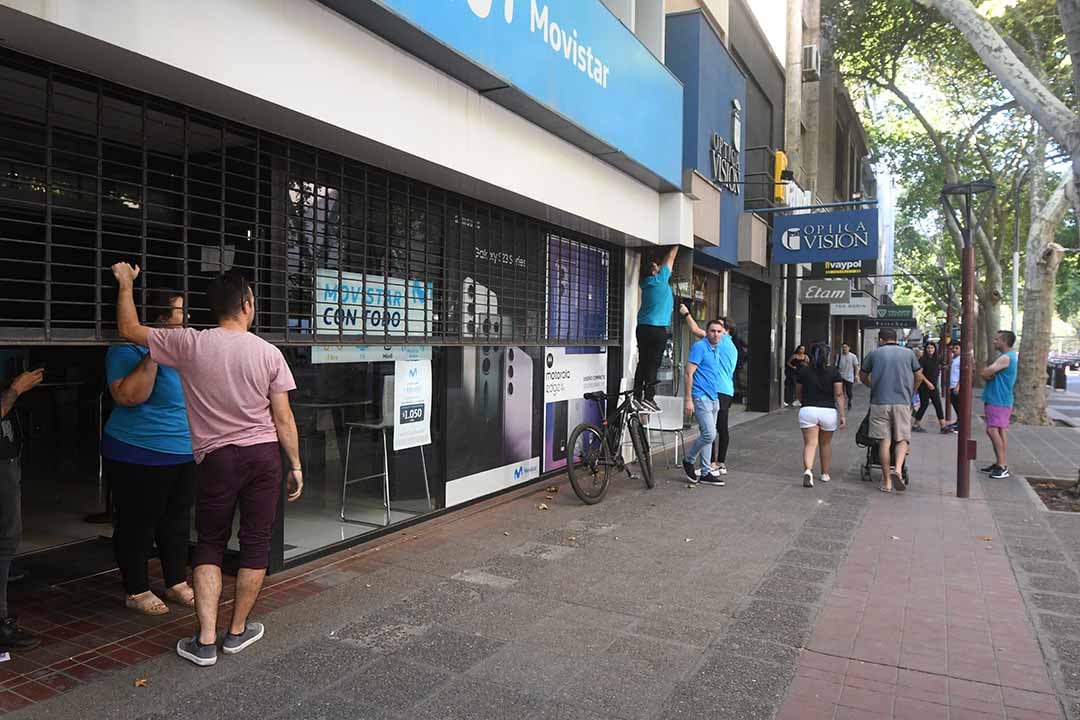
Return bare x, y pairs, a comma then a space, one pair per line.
65, 533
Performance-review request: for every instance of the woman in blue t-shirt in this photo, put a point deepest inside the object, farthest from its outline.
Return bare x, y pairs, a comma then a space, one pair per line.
146, 446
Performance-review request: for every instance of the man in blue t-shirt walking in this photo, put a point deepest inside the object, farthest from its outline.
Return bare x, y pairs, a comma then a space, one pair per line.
1000, 377
708, 374
654, 318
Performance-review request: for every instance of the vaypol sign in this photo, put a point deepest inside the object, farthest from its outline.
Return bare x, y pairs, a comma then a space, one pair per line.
573, 57
821, 237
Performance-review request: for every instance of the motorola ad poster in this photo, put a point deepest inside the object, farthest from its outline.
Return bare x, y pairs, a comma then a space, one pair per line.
569, 373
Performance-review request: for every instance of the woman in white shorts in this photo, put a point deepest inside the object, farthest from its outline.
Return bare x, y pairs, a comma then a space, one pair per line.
820, 389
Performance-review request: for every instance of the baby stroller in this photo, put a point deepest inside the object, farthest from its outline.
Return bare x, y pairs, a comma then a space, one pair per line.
863, 439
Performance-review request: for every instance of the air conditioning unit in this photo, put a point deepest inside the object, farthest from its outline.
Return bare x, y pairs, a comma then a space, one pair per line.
811, 63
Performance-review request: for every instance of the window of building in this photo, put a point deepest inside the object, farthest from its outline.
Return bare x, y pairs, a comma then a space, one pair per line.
339, 252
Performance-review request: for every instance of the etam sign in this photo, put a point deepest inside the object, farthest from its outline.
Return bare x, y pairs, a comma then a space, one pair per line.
820, 237
822, 292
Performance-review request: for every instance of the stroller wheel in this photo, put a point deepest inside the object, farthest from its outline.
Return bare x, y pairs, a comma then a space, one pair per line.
865, 475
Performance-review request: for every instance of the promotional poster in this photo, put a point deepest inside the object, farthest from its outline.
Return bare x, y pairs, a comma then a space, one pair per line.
569, 373
491, 393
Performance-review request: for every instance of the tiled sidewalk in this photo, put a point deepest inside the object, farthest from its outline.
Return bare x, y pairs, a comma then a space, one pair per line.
86, 631
925, 619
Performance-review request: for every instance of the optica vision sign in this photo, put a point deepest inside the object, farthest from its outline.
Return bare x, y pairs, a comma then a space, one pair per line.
821, 237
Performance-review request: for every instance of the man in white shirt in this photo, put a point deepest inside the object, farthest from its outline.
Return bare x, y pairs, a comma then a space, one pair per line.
848, 364
954, 384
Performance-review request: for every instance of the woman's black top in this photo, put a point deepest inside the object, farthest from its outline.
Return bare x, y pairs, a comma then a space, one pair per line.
817, 384
931, 367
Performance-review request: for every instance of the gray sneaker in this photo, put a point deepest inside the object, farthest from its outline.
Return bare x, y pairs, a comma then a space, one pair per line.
251, 635
191, 650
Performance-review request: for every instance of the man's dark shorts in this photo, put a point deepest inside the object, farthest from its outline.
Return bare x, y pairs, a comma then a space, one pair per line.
246, 476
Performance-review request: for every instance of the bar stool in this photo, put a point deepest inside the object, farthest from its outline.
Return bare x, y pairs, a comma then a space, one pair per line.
384, 425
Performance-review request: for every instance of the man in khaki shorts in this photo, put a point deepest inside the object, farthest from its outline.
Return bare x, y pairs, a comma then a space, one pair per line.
893, 373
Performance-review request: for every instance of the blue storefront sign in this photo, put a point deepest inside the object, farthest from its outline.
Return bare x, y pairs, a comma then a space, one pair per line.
714, 98
573, 57
827, 236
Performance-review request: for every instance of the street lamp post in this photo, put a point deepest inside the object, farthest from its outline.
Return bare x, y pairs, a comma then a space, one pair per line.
965, 447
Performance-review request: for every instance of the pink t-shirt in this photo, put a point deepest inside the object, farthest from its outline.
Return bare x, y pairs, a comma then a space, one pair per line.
227, 377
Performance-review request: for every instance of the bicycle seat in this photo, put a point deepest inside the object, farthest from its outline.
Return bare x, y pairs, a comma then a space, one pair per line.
598, 395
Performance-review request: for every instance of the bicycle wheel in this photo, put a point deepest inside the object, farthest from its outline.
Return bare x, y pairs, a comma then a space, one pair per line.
641, 450
588, 463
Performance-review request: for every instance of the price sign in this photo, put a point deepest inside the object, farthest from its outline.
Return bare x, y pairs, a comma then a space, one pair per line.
411, 414
412, 403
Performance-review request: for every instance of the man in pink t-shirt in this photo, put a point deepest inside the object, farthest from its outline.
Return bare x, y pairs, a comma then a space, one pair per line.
237, 390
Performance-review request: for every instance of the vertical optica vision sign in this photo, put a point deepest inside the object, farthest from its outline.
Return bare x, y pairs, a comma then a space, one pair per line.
573, 57
821, 237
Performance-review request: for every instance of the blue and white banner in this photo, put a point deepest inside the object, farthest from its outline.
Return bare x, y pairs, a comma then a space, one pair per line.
829, 236
573, 57
362, 304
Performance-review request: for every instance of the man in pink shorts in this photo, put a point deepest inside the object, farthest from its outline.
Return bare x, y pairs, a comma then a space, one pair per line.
236, 386
1000, 377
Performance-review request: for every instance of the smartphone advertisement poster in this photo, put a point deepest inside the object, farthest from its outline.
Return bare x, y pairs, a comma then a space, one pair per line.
569, 373
412, 403
491, 395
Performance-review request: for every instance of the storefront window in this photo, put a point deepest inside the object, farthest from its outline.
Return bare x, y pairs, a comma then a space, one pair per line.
340, 407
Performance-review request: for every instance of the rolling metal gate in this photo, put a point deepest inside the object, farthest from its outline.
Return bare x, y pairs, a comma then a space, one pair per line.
92, 173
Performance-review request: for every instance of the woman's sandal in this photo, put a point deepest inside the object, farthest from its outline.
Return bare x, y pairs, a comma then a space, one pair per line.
146, 603
884, 489
174, 596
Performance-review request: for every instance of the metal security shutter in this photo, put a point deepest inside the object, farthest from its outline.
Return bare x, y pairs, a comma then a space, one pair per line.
338, 252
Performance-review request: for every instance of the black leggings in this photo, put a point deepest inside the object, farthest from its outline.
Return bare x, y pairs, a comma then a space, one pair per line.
153, 504
720, 445
651, 340
933, 396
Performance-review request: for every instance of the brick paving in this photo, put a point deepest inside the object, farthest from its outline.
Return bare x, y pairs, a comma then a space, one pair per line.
926, 618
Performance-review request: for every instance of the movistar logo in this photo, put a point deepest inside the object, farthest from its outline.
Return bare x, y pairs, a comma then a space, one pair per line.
519, 471
482, 8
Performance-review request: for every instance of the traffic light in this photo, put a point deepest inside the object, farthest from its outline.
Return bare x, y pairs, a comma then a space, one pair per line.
779, 181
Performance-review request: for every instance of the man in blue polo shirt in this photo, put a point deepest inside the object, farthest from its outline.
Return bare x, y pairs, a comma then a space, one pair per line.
703, 385
654, 319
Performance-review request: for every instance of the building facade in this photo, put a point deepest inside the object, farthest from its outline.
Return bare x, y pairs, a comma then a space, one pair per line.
453, 189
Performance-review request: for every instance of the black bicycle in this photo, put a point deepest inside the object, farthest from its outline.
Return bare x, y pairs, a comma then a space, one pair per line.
594, 451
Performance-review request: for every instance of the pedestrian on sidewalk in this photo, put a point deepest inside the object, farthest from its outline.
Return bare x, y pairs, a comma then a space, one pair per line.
653, 321
146, 448
236, 386
997, 395
848, 364
930, 362
820, 389
892, 372
791, 369
702, 400
12, 637
728, 359
954, 384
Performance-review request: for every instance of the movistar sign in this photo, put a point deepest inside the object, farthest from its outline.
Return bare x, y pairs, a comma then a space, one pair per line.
569, 65
820, 237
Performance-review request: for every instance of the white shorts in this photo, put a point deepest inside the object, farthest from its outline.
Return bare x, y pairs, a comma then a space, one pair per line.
825, 418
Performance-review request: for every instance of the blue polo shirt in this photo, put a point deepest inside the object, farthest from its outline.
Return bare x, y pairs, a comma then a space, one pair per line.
727, 357
707, 376
657, 300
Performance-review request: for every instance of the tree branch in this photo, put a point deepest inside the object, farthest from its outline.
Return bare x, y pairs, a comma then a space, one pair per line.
1058, 120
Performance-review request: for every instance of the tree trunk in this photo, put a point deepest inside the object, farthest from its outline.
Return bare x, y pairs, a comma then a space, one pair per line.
1040, 274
